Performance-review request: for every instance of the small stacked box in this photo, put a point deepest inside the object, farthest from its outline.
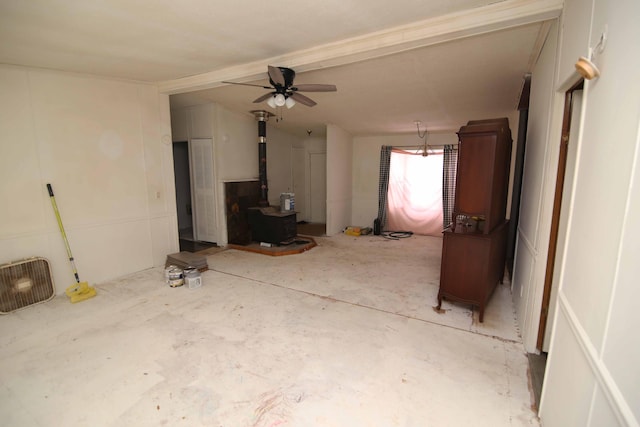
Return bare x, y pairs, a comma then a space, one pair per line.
187, 259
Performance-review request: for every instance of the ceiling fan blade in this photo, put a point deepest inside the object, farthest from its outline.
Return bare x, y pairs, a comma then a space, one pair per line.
302, 99
276, 75
263, 97
314, 88
248, 84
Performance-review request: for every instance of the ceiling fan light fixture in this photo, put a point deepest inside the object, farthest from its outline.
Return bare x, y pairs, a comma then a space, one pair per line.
282, 89
279, 100
290, 102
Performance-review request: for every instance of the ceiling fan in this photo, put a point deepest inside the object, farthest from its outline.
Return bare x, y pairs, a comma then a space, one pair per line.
283, 92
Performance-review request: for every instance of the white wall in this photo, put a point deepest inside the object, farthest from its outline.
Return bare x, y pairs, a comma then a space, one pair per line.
536, 199
235, 141
105, 146
279, 158
301, 152
339, 177
592, 370
236, 157
366, 170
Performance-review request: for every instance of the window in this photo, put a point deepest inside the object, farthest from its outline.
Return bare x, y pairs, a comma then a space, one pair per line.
414, 198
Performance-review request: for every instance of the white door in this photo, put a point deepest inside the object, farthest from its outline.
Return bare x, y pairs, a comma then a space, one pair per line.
203, 190
318, 187
299, 182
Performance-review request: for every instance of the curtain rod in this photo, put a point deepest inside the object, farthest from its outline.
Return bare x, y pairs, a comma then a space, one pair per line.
422, 146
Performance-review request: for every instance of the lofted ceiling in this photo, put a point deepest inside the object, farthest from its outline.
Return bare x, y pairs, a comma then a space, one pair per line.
441, 62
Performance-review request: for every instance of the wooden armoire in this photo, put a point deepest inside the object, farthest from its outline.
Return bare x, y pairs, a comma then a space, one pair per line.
474, 245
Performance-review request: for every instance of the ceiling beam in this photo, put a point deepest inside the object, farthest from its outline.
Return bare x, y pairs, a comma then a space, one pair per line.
494, 17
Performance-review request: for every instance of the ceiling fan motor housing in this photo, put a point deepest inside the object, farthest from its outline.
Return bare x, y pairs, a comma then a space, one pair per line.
289, 75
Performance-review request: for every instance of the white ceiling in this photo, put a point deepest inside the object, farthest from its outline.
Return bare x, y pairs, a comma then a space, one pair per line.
442, 62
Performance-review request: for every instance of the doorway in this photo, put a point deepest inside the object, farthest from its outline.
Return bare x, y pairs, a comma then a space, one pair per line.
309, 181
183, 189
564, 182
190, 239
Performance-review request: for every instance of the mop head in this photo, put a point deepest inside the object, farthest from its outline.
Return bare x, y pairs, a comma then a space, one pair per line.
80, 292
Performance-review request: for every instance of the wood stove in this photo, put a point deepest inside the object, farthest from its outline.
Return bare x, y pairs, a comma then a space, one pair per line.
267, 223
270, 225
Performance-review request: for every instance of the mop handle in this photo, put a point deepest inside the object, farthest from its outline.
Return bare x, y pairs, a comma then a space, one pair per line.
64, 235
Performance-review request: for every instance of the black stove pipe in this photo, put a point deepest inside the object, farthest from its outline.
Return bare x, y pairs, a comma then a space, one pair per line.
262, 117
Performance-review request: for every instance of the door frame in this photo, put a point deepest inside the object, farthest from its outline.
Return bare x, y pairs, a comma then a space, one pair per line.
555, 213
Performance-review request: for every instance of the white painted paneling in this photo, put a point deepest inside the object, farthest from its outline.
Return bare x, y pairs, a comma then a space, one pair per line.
237, 145
158, 150
22, 190
621, 351
180, 124
536, 200
127, 244
201, 121
164, 238
602, 414
279, 163
155, 119
605, 165
539, 165
576, 24
90, 146
318, 187
598, 281
521, 286
366, 172
104, 145
566, 402
339, 193
622, 348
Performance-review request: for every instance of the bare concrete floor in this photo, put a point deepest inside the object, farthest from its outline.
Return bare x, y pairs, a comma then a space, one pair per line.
342, 335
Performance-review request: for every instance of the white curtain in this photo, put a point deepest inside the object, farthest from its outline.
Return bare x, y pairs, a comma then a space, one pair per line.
414, 199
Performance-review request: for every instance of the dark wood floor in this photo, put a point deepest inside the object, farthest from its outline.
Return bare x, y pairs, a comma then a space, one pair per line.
191, 246
311, 229
188, 244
